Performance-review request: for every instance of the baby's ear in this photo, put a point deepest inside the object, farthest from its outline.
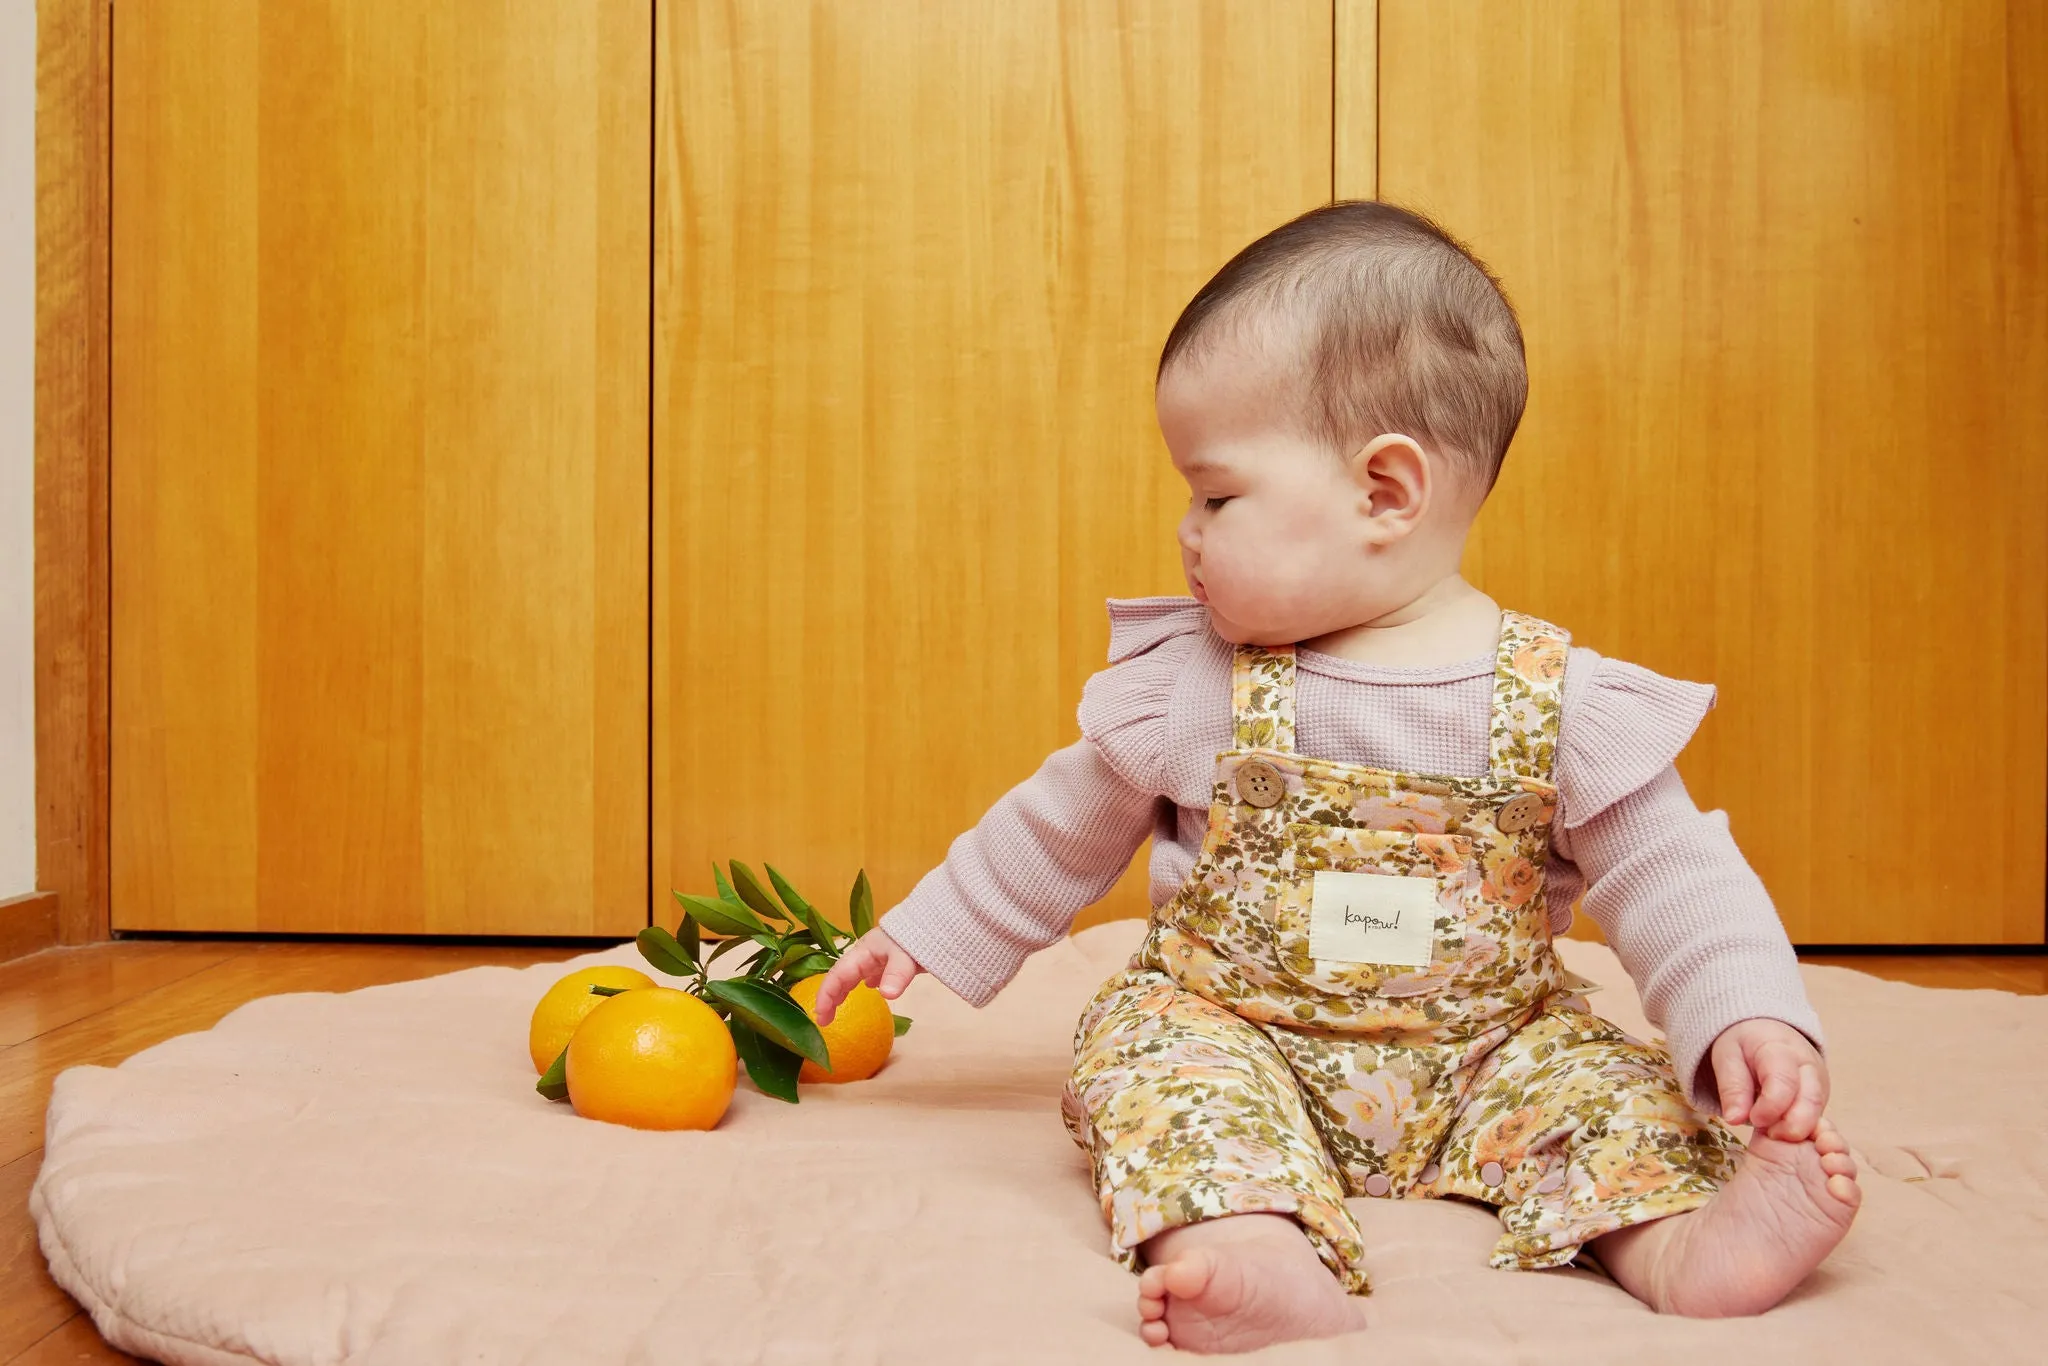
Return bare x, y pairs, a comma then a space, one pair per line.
1396, 479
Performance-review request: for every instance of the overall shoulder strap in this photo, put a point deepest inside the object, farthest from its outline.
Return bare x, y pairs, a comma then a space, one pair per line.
1528, 698
1262, 697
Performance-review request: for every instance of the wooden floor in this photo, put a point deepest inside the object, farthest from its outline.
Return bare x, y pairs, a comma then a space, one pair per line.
100, 1004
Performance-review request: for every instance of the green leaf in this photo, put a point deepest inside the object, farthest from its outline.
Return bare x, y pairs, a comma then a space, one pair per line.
861, 905
902, 1024
692, 942
725, 891
661, 950
721, 917
772, 1067
754, 894
726, 946
810, 965
791, 897
554, 1083
802, 950
767, 1010
609, 991
824, 931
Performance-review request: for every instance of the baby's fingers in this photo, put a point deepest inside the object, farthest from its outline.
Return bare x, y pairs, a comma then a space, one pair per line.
838, 982
1778, 1086
1804, 1115
869, 961
902, 967
1732, 1080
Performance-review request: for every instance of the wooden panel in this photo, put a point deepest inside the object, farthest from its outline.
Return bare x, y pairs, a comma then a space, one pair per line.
380, 488
71, 589
914, 261
1784, 275
1355, 93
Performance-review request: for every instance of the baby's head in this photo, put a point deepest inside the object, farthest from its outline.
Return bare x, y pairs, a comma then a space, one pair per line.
1339, 398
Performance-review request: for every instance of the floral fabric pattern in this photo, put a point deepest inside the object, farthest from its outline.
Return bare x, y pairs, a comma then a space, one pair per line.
1262, 697
1229, 1069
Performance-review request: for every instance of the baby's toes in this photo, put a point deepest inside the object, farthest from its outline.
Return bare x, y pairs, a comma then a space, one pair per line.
1154, 1332
1186, 1277
1152, 1293
1838, 1164
1828, 1138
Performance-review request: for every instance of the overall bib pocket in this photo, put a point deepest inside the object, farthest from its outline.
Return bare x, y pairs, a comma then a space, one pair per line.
1341, 931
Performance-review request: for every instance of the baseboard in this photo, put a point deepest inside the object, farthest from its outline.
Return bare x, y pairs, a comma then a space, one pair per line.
1924, 950
28, 924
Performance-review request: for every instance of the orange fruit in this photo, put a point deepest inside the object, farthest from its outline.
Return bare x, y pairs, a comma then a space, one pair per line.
859, 1037
566, 1003
654, 1059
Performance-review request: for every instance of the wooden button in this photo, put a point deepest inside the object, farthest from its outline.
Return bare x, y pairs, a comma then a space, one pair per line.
1492, 1174
1377, 1184
1519, 813
1260, 784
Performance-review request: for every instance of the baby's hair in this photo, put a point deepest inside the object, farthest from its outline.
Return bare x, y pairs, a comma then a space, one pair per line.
1400, 329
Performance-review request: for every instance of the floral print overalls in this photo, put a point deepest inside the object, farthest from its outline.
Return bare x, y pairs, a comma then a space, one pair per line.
1355, 993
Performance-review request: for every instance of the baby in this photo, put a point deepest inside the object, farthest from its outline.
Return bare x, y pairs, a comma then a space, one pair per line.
1349, 986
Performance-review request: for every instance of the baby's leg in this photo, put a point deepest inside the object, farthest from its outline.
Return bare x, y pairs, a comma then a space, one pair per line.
1748, 1247
1210, 1171
1583, 1137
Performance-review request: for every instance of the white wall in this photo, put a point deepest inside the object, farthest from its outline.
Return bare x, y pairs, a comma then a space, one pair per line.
17, 447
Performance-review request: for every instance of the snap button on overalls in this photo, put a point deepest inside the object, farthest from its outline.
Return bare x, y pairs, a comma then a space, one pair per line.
1355, 993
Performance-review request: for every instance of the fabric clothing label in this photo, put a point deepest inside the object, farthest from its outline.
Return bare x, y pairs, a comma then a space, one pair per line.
1372, 918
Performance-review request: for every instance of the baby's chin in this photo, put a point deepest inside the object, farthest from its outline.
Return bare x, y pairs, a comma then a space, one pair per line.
1248, 633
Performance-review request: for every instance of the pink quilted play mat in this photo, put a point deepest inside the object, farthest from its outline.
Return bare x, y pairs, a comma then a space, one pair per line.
370, 1177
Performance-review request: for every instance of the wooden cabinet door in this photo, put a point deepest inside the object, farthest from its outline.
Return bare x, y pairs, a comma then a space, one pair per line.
380, 366
1783, 271
914, 262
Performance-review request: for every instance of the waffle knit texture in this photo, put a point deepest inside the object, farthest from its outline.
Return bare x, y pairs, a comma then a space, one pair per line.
1663, 880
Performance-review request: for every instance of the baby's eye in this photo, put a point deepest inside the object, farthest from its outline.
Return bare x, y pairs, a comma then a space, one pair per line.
1214, 503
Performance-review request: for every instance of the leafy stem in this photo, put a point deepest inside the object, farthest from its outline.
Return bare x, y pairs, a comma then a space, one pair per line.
792, 940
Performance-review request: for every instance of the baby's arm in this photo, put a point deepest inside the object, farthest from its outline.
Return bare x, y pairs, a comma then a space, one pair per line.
1700, 938
1054, 845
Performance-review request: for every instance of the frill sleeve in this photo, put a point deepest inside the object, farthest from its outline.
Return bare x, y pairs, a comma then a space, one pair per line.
1124, 708
1623, 727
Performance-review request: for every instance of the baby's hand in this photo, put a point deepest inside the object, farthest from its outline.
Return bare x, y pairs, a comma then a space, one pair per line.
1770, 1075
873, 958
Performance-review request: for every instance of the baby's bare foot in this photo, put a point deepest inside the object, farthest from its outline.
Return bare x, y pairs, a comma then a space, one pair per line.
1229, 1285
1745, 1250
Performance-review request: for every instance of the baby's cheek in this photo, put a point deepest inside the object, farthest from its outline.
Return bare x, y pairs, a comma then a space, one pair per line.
1239, 586
1295, 584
